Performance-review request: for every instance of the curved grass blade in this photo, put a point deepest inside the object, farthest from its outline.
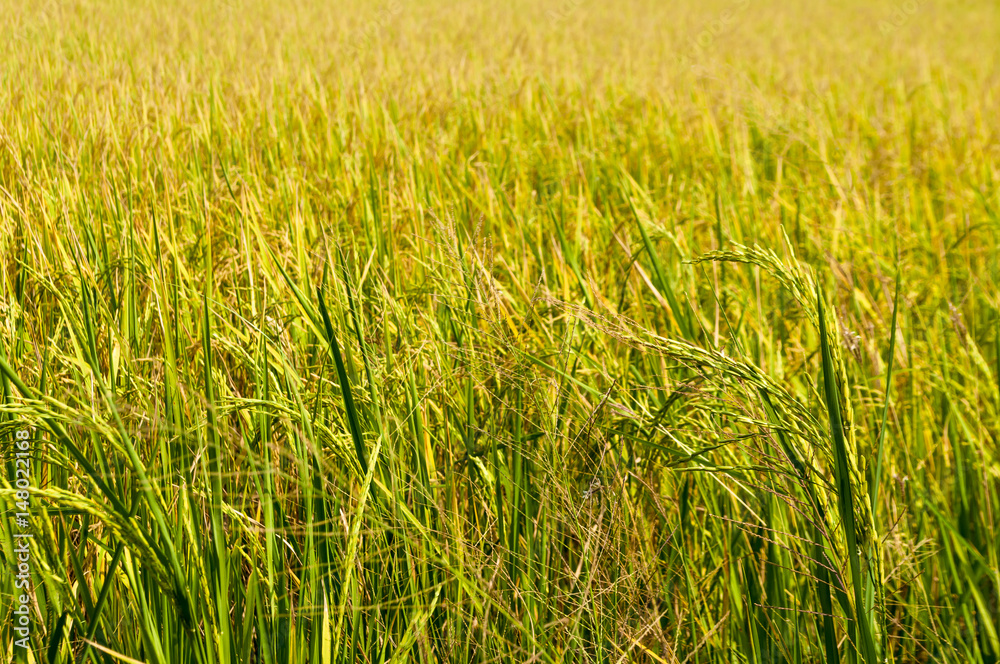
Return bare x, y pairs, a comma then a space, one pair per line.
345, 385
845, 491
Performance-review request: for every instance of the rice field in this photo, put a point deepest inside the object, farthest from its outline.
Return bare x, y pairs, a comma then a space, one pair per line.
455, 331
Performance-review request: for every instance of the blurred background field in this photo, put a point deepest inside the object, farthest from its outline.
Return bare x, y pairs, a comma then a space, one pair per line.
538, 332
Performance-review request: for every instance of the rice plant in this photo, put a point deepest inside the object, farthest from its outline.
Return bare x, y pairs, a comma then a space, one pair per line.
460, 332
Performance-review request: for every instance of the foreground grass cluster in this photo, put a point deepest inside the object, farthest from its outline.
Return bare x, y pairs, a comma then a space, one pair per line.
452, 332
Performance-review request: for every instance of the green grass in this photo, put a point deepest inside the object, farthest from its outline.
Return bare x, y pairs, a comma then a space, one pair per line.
451, 332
